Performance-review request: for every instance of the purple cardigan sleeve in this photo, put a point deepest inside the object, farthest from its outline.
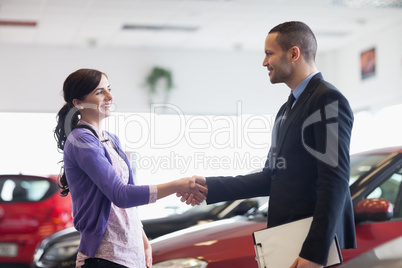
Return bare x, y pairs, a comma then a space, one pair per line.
89, 162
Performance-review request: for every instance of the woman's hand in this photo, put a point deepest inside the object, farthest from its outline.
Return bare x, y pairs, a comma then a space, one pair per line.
193, 191
195, 182
148, 250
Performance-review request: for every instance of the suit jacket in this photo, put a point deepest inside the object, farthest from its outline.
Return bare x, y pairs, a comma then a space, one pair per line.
307, 170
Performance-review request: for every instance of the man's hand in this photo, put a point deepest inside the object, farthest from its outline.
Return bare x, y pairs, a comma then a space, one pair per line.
194, 191
198, 182
303, 263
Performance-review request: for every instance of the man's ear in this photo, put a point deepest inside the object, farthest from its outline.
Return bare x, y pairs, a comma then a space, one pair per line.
295, 53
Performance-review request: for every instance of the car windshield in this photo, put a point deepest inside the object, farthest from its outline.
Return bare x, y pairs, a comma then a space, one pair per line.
203, 207
22, 189
361, 163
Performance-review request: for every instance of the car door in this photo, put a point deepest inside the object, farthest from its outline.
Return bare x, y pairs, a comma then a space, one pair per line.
371, 234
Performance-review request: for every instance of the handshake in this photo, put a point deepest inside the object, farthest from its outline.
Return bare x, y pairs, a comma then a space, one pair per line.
192, 190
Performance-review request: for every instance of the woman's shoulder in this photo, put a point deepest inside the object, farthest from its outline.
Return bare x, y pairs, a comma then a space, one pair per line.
81, 138
81, 132
113, 136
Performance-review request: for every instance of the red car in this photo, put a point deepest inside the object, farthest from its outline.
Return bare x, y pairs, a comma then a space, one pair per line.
376, 189
30, 209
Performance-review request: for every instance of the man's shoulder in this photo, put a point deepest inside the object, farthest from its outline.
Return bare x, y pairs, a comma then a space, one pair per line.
324, 93
324, 88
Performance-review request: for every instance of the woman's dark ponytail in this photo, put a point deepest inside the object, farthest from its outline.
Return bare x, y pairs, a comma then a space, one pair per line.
61, 127
76, 86
67, 119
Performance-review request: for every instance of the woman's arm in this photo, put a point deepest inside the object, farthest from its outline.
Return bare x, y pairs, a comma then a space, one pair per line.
230, 188
86, 152
185, 185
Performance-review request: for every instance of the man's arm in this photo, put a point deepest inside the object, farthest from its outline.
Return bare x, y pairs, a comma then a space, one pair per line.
231, 188
333, 176
239, 187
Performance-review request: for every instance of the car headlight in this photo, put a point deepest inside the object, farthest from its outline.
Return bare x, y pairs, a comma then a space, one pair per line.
61, 251
54, 255
181, 263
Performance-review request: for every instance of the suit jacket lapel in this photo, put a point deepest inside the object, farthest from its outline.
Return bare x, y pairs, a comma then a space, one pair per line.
277, 126
294, 111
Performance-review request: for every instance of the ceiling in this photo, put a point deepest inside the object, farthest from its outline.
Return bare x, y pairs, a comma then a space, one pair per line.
205, 24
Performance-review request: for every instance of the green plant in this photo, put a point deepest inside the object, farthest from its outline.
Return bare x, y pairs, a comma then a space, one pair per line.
154, 76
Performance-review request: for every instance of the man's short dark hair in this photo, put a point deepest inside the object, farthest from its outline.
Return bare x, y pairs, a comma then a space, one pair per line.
296, 33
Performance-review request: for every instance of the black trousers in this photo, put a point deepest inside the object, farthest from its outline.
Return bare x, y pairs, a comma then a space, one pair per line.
101, 263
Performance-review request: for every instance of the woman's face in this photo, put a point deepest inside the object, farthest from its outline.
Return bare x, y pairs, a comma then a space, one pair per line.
96, 105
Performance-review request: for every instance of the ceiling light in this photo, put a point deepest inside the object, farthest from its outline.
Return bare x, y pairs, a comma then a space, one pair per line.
18, 23
369, 3
159, 28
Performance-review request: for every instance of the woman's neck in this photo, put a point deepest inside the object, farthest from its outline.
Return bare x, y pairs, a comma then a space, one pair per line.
96, 124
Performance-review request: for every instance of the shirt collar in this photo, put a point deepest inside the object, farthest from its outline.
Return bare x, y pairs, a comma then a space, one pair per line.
302, 86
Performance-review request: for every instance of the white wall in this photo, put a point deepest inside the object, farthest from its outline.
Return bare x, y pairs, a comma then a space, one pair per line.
374, 127
342, 68
207, 82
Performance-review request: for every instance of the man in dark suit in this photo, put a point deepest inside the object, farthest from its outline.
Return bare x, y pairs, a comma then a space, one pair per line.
307, 168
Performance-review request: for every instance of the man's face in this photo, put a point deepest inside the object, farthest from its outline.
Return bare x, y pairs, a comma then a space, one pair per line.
276, 61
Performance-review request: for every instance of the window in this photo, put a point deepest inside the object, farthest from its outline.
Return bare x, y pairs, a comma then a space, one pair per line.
390, 190
21, 189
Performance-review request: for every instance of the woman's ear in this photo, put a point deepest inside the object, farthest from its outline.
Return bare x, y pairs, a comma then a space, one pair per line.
77, 103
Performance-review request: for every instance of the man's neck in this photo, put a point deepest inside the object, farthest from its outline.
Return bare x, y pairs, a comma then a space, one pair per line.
301, 74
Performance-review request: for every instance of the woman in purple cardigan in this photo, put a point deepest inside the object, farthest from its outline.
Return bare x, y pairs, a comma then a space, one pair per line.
98, 176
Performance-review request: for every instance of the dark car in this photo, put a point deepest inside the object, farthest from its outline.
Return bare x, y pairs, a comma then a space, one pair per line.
197, 215
376, 189
30, 209
60, 249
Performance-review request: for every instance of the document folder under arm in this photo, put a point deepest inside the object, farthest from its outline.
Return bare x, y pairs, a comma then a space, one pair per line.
278, 247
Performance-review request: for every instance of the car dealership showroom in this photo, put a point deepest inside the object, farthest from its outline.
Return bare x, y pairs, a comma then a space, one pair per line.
115, 114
